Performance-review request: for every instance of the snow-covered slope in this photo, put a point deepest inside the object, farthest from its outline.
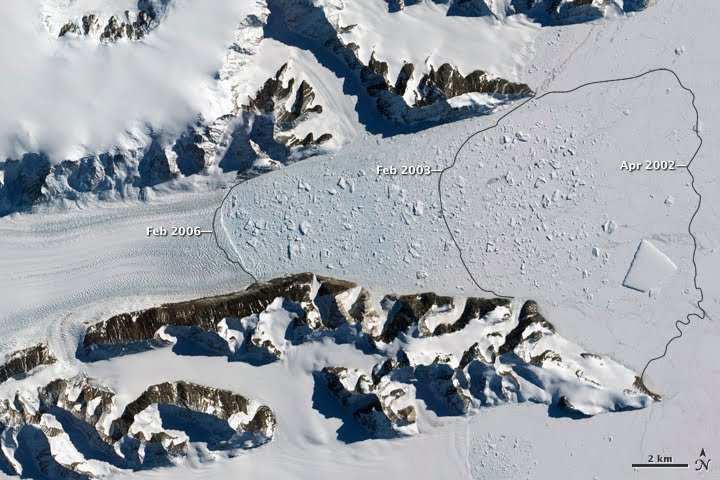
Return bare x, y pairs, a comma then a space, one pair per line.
163, 94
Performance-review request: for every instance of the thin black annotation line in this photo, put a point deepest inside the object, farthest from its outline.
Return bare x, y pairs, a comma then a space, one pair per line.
215, 229
696, 130
660, 465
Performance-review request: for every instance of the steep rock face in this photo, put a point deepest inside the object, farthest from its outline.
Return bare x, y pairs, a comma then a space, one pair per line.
492, 356
529, 316
46, 427
203, 313
24, 361
448, 82
244, 325
257, 421
251, 138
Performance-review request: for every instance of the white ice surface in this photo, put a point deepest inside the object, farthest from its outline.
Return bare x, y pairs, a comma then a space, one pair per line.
88, 265
539, 189
649, 268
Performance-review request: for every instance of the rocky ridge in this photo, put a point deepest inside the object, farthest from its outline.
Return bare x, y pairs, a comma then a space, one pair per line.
490, 356
23, 362
530, 364
132, 26
451, 355
273, 124
73, 428
430, 91
313, 308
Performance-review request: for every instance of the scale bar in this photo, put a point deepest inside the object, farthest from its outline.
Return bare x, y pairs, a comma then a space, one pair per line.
660, 465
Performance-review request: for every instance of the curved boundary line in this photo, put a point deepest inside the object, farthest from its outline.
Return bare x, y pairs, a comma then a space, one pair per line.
696, 130
217, 241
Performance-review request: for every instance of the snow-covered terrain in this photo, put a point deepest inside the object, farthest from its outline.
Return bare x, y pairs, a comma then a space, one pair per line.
145, 122
482, 354
174, 93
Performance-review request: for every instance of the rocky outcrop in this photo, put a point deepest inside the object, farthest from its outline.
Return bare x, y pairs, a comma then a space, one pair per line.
76, 433
448, 82
259, 421
273, 123
132, 26
22, 362
204, 313
384, 408
258, 134
529, 317
430, 91
494, 357
312, 308
527, 362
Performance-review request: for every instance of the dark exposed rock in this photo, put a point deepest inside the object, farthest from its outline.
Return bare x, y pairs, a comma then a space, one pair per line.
431, 103
566, 405
145, 20
407, 310
85, 407
472, 353
529, 315
23, 361
204, 313
547, 355
640, 385
81, 398
221, 403
401, 360
451, 387
157, 165
448, 82
89, 23
317, 315
383, 407
68, 28
276, 137
406, 73
474, 308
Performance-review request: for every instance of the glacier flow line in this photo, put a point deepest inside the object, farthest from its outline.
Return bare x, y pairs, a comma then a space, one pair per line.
215, 230
696, 130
